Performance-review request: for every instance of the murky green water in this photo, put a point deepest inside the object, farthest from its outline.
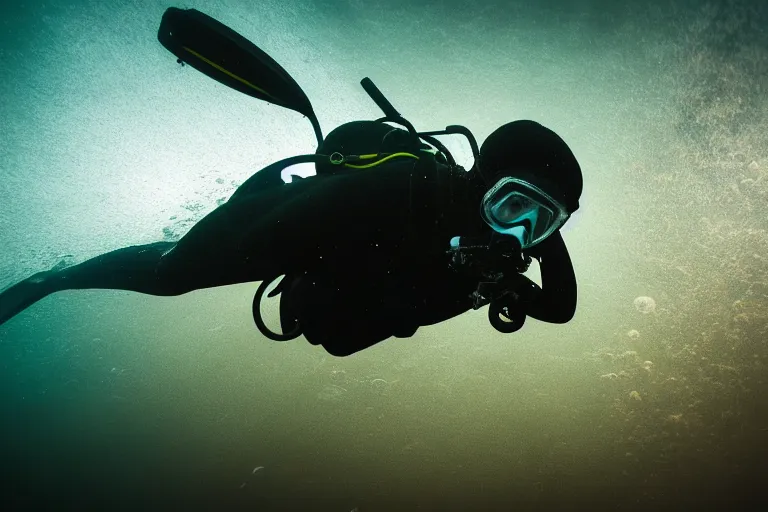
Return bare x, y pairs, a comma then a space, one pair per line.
119, 401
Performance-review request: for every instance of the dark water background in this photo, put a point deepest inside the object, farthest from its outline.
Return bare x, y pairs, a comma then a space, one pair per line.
116, 401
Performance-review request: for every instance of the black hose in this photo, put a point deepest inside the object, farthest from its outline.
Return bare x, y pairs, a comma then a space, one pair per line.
440, 147
256, 309
504, 318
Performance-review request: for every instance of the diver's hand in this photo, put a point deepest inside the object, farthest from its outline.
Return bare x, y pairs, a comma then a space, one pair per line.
547, 246
557, 302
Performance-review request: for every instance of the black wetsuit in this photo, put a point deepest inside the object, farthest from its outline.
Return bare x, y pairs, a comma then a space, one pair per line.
364, 251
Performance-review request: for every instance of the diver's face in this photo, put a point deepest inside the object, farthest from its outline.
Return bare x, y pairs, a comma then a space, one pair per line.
510, 210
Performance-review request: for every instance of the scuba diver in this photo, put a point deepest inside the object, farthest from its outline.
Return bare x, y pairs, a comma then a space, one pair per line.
390, 234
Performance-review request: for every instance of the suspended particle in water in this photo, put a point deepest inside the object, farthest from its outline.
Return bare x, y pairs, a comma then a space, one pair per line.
332, 393
645, 305
633, 334
675, 418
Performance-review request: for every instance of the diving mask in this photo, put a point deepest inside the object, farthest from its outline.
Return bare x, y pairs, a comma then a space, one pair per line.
517, 208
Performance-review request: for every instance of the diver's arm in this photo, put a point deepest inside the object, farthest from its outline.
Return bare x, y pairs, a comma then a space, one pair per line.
555, 301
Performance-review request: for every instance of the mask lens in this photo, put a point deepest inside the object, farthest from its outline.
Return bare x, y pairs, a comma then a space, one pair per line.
514, 207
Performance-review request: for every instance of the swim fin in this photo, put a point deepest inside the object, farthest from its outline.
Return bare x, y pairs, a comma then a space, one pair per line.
20, 296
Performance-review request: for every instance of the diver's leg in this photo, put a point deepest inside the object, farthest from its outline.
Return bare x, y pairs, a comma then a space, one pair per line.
211, 254
132, 268
208, 255
21, 295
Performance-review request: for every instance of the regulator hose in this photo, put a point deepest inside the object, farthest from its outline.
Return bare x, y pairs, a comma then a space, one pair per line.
256, 309
505, 317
